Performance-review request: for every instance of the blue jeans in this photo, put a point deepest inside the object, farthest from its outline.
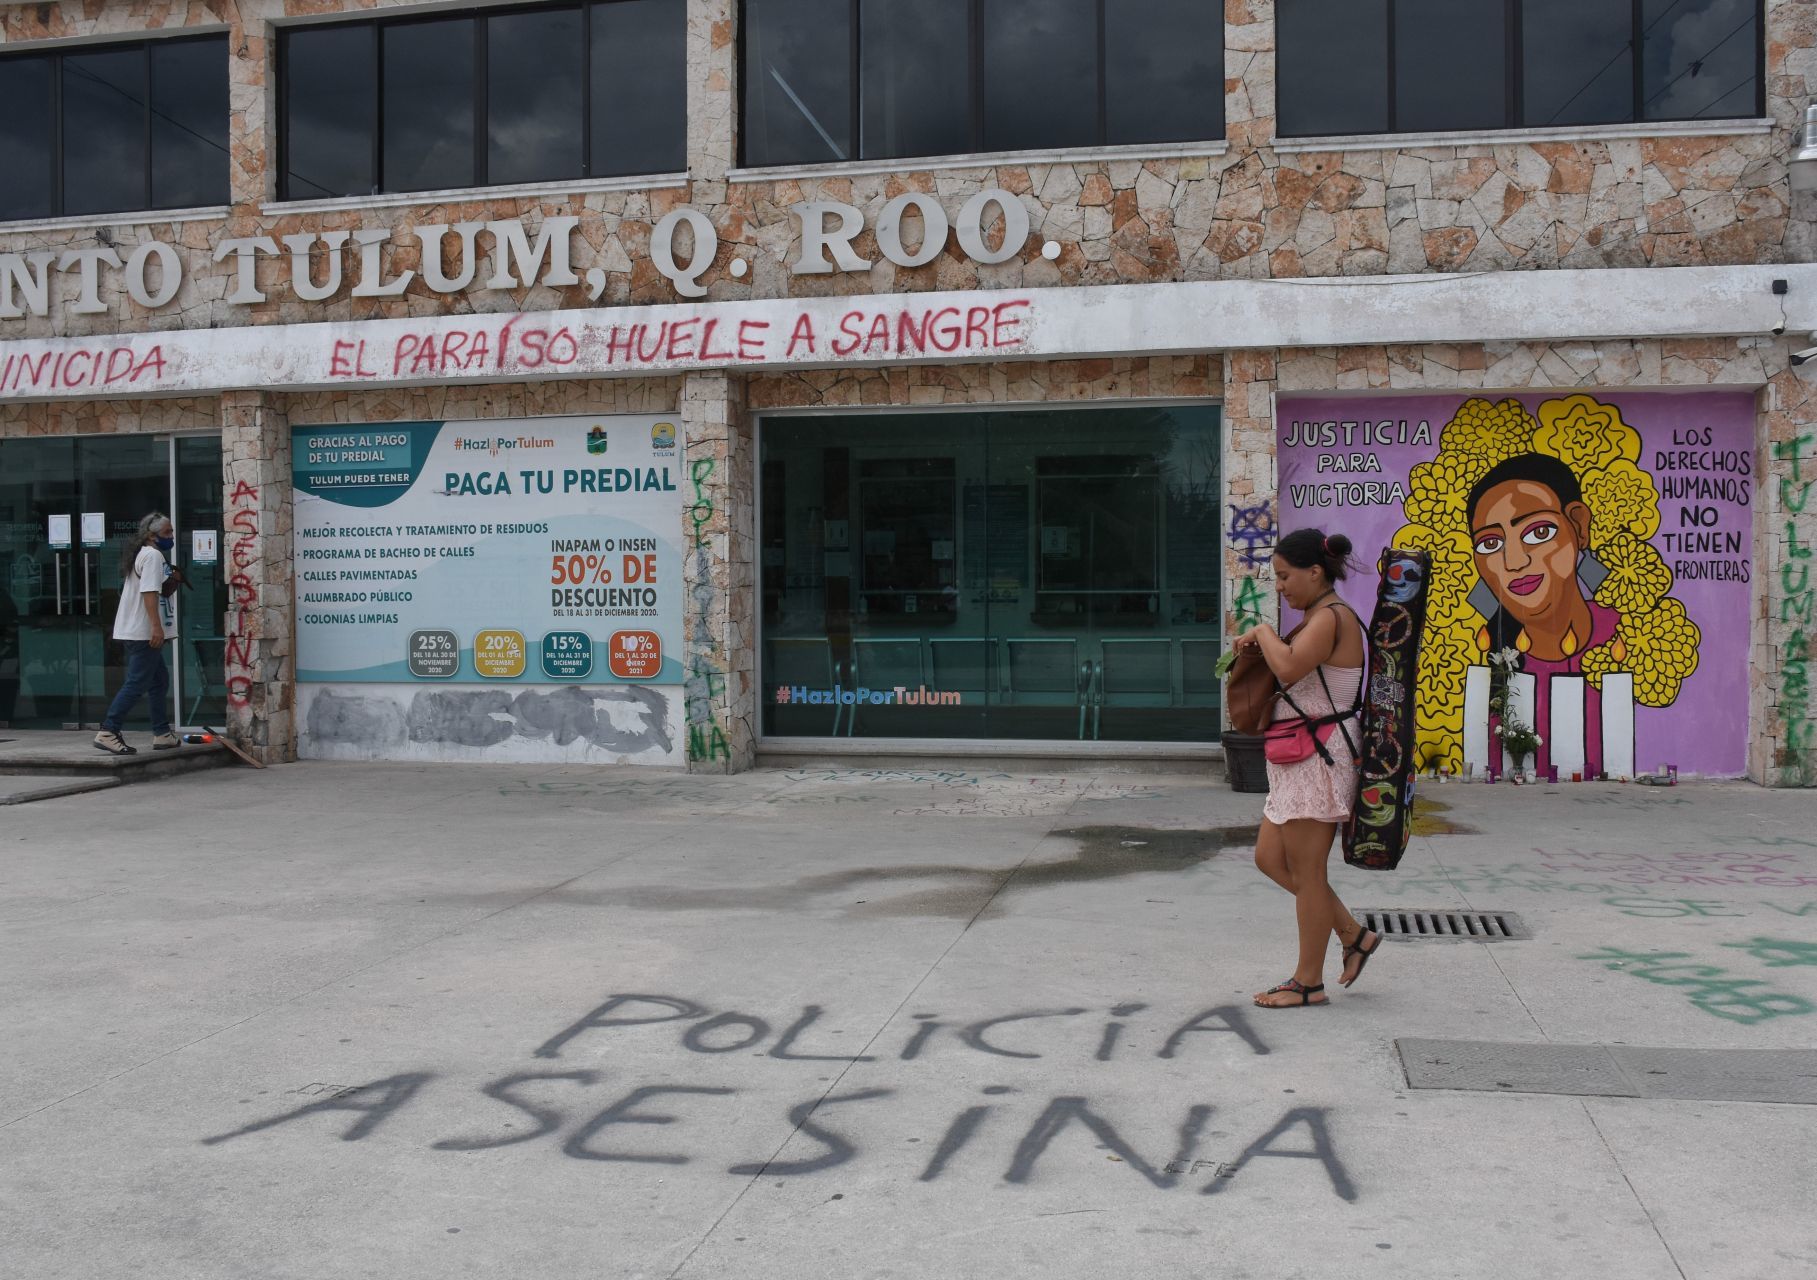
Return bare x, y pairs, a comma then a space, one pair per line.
146, 675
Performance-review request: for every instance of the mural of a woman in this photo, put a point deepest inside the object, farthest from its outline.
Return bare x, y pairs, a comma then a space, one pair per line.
1530, 534
1539, 529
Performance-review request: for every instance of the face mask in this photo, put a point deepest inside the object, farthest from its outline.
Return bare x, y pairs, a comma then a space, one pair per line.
165, 544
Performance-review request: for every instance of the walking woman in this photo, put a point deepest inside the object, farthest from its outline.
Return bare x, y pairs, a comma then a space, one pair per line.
1321, 671
139, 625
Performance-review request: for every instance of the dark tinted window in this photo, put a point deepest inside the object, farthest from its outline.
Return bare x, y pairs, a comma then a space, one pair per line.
427, 81
104, 130
535, 63
1332, 69
1159, 89
797, 81
1577, 63
1450, 60
508, 96
25, 138
917, 94
940, 77
188, 123
1040, 73
1699, 59
115, 99
141, 126
331, 112
640, 88
1458, 64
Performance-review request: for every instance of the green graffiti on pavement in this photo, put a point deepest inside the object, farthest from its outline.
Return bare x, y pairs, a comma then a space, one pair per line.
1708, 986
1778, 953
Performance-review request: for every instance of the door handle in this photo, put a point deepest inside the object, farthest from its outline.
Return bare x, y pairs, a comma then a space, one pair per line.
56, 573
88, 595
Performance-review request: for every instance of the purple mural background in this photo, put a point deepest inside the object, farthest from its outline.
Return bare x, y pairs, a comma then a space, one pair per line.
1346, 463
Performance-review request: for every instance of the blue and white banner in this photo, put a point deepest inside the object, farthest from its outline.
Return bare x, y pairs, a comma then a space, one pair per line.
522, 551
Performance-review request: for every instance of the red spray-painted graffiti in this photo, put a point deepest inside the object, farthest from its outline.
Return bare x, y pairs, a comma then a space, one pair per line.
79, 368
507, 345
243, 529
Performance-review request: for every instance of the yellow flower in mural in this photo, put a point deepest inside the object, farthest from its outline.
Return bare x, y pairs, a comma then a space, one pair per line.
1659, 646
1585, 434
1655, 640
1638, 575
1623, 502
1486, 434
1445, 658
1437, 492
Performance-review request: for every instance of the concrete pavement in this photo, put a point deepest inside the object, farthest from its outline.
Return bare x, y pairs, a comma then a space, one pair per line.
895, 1021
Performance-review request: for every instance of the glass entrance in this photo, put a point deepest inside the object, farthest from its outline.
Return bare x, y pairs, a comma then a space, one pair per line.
68, 507
1042, 574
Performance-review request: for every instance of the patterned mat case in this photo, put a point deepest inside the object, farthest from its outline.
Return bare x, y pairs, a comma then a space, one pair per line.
1382, 821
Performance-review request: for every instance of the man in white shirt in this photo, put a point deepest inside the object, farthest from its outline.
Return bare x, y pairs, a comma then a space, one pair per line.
139, 625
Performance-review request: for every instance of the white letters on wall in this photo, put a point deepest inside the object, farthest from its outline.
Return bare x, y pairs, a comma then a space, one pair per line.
245, 282
817, 238
372, 271
27, 276
972, 222
170, 274
88, 262
432, 234
301, 282
662, 251
512, 249
828, 231
933, 234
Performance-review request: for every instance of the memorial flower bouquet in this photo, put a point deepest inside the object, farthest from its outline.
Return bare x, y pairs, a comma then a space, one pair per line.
1521, 742
1517, 737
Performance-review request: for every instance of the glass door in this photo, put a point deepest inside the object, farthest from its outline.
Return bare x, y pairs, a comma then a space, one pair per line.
69, 507
44, 632
199, 664
1041, 574
119, 480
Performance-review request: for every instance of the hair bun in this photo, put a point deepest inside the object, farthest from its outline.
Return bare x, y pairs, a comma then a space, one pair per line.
1340, 545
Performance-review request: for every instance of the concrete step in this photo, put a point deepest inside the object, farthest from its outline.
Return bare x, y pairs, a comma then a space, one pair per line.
53, 754
23, 788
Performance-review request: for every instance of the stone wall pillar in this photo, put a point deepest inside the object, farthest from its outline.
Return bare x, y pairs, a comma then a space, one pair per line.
712, 77
252, 115
1253, 513
260, 622
719, 625
1784, 741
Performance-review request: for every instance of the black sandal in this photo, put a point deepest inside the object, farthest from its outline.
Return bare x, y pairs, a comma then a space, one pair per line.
1363, 953
1293, 986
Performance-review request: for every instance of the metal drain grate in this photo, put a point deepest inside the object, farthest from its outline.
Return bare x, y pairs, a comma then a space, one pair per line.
1446, 926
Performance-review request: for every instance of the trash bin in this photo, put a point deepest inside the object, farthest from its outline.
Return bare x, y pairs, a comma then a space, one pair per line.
1244, 763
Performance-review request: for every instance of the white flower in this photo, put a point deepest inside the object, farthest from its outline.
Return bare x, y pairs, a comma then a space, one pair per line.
1538, 741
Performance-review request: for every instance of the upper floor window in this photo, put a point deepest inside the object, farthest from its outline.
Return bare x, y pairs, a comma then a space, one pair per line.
1414, 66
832, 80
113, 128
507, 96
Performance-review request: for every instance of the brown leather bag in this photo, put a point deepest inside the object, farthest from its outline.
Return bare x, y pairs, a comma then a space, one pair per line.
1250, 690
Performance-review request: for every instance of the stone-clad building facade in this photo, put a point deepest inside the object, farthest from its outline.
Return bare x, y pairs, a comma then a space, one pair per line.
1285, 275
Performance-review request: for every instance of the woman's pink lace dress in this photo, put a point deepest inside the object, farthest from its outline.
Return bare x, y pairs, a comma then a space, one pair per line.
1312, 788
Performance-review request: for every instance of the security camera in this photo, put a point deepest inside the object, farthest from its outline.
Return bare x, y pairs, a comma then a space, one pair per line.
1778, 329
1799, 357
